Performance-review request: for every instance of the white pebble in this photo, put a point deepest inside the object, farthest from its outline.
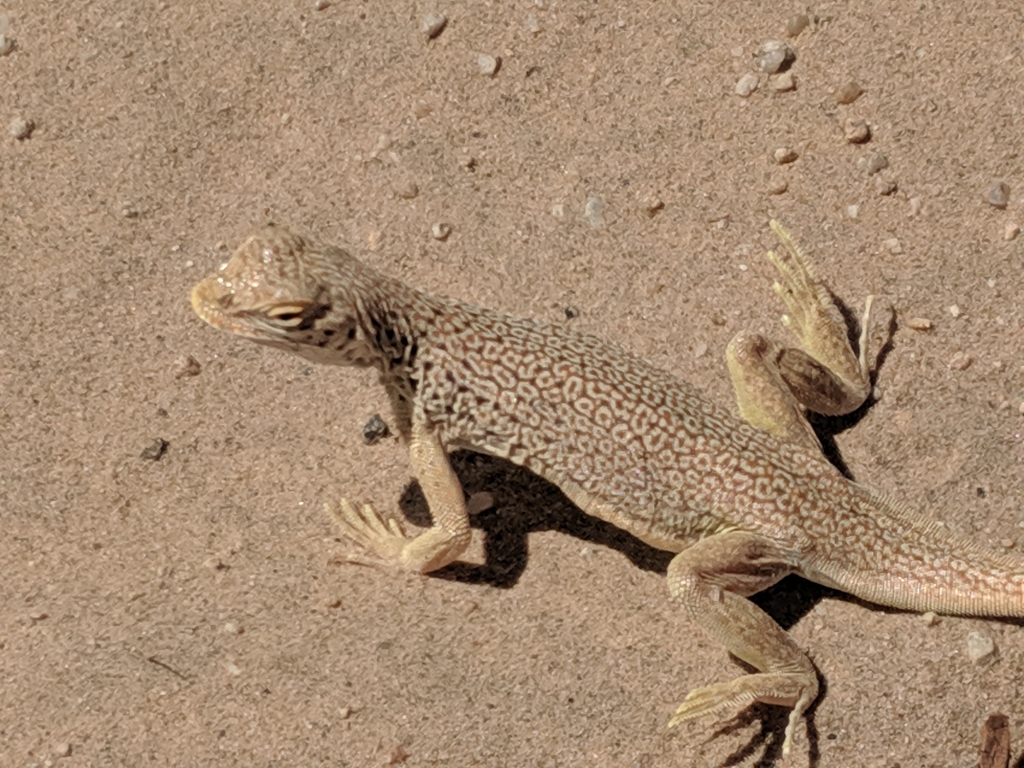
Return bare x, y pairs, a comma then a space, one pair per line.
775, 55
998, 194
233, 669
433, 25
746, 85
919, 324
488, 64
852, 211
954, 310
892, 245
1011, 231
916, 204
21, 128
929, 618
784, 155
440, 230
980, 647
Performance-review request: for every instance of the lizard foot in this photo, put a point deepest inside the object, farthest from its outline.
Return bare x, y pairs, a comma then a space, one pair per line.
383, 539
785, 689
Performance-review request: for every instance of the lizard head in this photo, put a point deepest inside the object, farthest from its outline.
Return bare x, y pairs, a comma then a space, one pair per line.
284, 291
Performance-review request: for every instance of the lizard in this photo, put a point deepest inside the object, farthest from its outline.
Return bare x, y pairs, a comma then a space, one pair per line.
740, 502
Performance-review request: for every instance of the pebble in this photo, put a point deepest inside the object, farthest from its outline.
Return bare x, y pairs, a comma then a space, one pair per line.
954, 310
852, 211
230, 628
919, 324
558, 210
649, 206
186, 365
155, 450
6, 45
408, 191
531, 24
856, 131
374, 430
434, 24
892, 245
916, 204
777, 186
873, 162
746, 85
961, 361
233, 669
929, 618
885, 187
775, 56
21, 128
797, 24
593, 211
784, 83
61, 749
980, 647
489, 65
848, 92
784, 155
440, 230
997, 195
322, 5
479, 502
1011, 231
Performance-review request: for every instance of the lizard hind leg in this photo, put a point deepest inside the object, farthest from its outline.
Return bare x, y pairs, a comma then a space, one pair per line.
824, 374
712, 579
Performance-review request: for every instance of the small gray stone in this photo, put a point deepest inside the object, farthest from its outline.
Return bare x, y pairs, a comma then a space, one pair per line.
856, 131
873, 163
746, 85
21, 128
916, 204
980, 647
433, 25
998, 194
489, 65
848, 92
440, 230
797, 24
777, 186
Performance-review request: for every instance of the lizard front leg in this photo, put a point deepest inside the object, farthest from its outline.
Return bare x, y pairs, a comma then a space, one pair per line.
386, 540
712, 579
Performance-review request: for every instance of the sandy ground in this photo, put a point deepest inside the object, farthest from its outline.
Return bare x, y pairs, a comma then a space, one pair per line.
191, 609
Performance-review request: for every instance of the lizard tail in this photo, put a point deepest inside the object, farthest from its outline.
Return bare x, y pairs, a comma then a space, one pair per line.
906, 561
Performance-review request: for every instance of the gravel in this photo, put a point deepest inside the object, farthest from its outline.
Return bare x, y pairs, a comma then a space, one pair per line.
21, 128
433, 25
797, 24
488, 65
747, 84
848, 92
998, 194
856, 131
873, 162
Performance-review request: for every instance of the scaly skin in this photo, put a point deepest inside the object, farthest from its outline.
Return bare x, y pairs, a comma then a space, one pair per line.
743, 502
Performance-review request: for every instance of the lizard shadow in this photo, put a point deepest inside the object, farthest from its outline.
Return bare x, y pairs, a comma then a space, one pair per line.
526, 503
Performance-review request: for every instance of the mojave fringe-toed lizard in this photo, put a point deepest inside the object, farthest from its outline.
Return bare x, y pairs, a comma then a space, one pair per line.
744, 502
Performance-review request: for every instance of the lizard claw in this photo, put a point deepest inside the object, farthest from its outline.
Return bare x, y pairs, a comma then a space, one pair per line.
383, 539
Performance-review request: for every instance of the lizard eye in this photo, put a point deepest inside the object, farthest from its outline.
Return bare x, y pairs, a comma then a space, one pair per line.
288, 315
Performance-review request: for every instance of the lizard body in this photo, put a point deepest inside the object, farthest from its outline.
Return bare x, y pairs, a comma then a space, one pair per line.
744, 502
